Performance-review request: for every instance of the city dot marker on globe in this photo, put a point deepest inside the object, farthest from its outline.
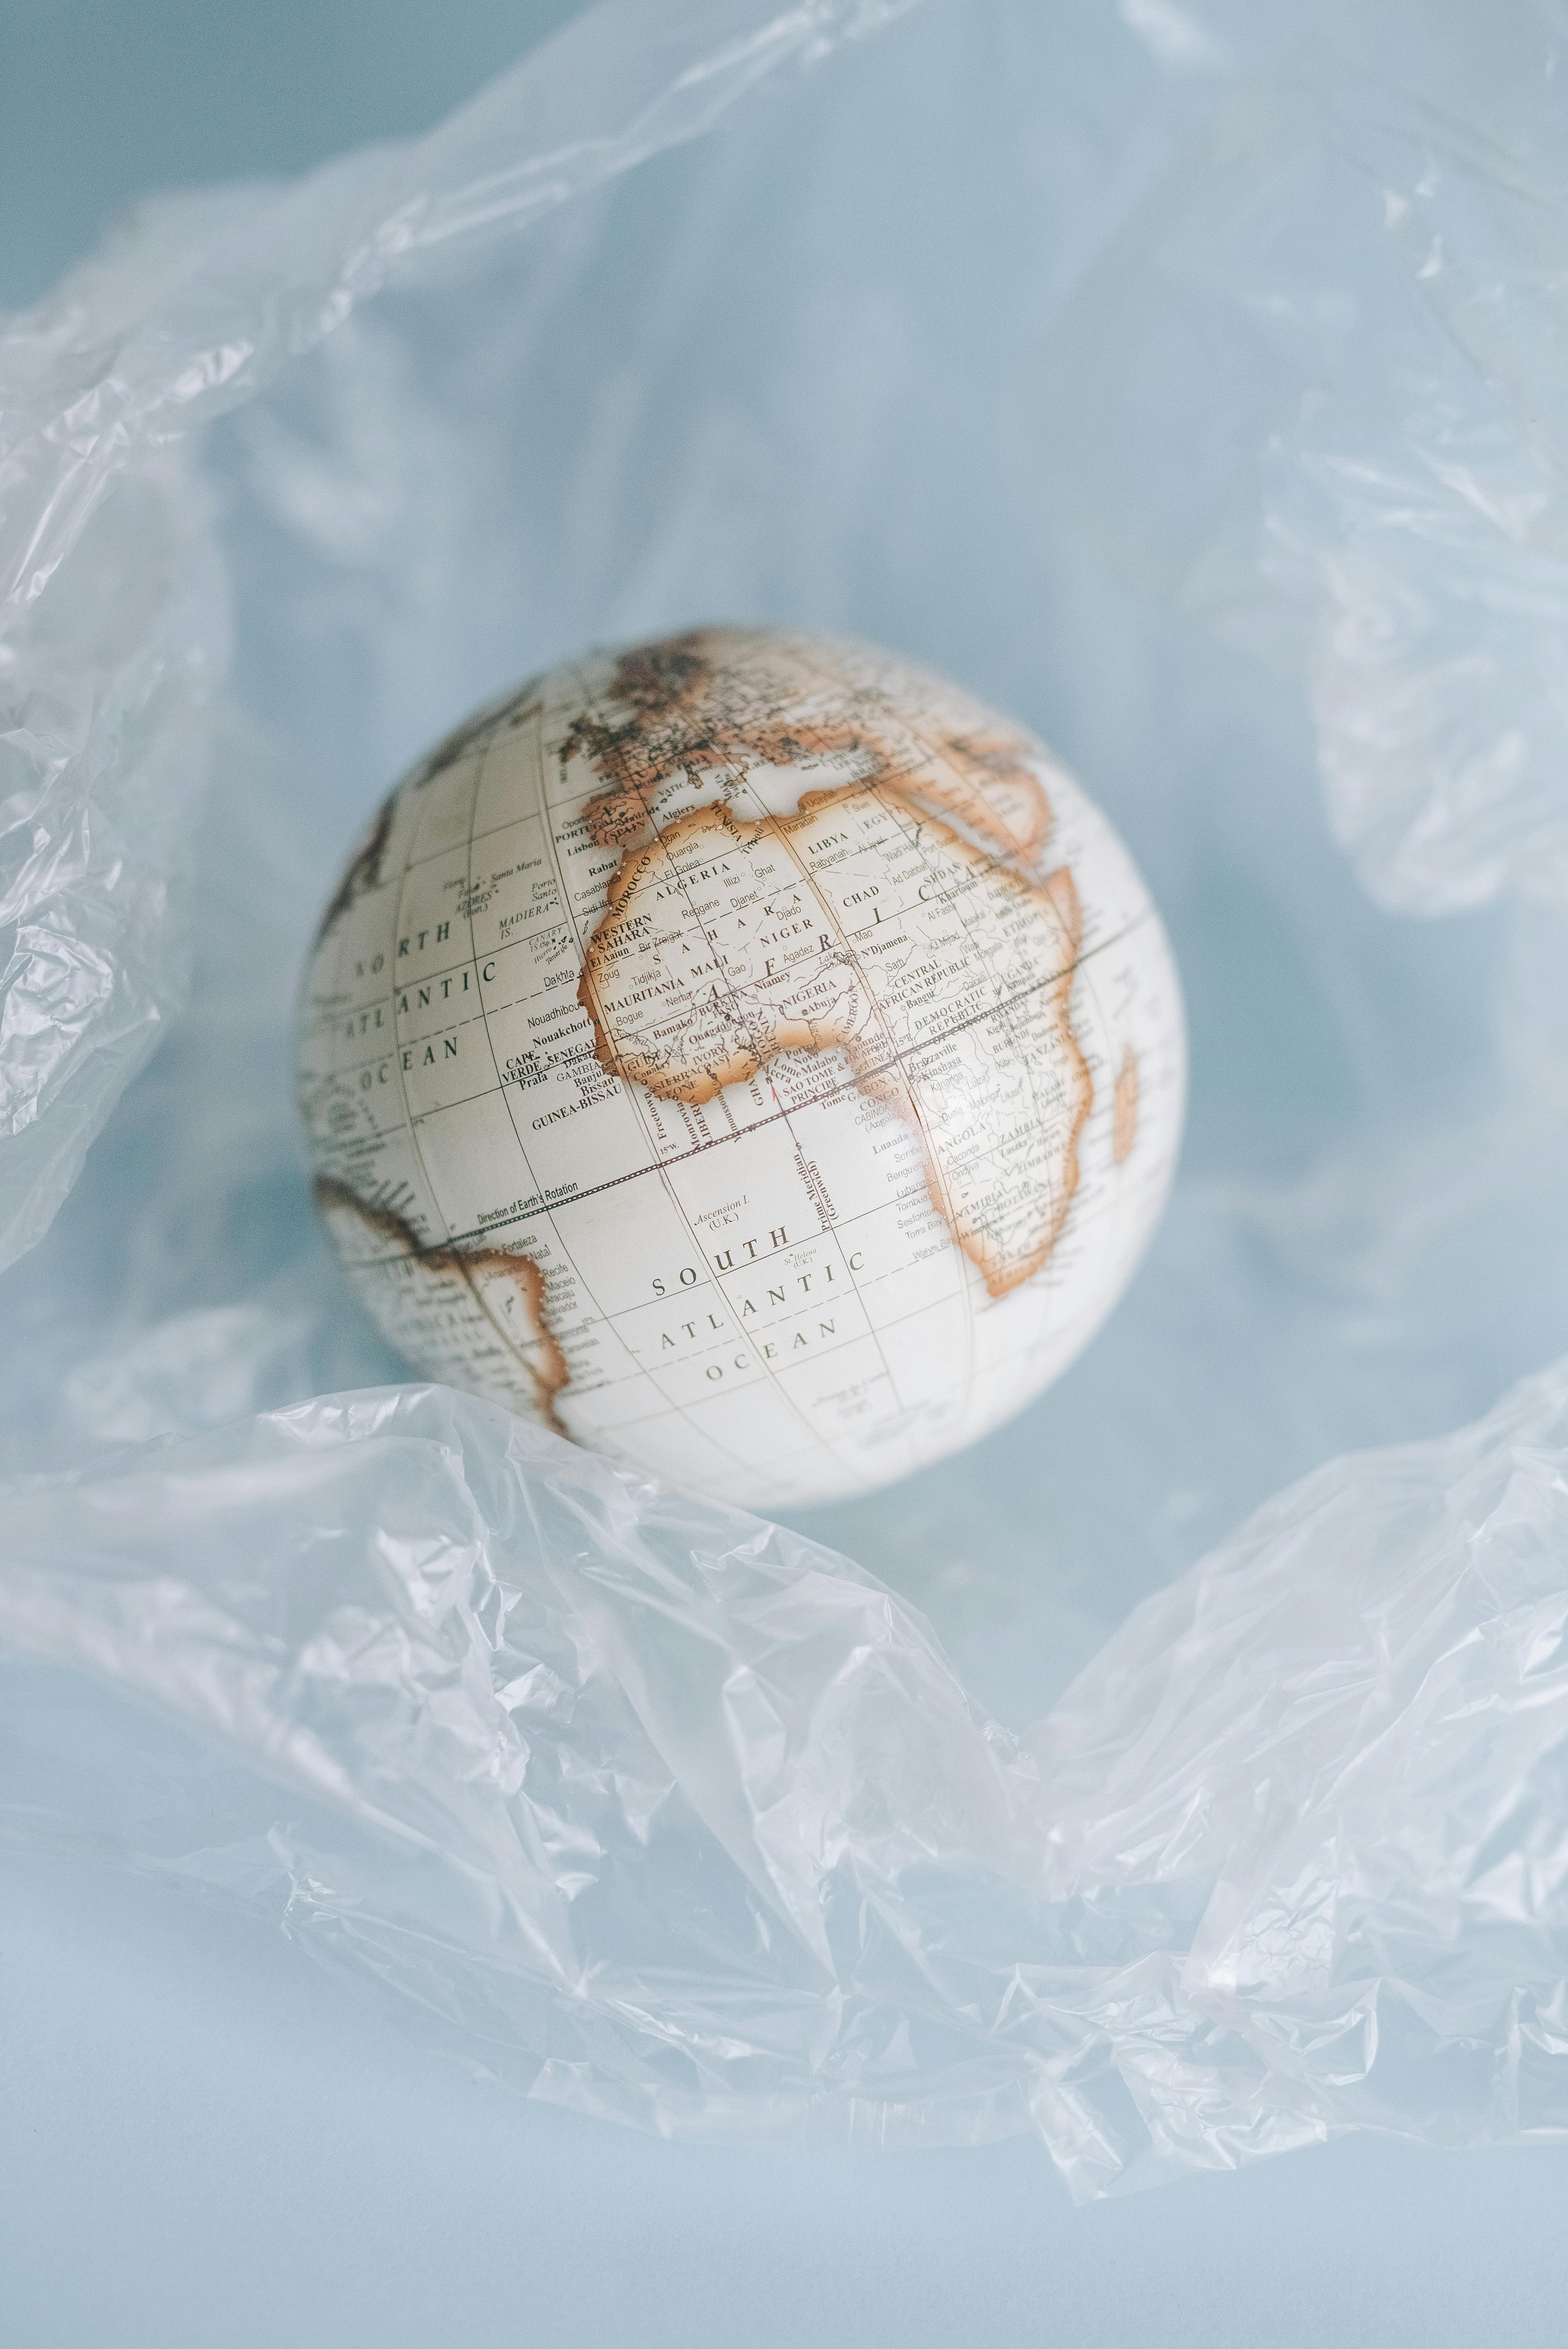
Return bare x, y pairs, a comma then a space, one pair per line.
745, 1053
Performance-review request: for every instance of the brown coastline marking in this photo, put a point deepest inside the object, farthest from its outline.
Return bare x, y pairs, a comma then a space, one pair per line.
550, 1374
1057, 896
693, 707
684, 720
1124, 1123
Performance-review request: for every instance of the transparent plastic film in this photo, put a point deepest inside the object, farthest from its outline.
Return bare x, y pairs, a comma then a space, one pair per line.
1188, 382
681, 1819
109, 664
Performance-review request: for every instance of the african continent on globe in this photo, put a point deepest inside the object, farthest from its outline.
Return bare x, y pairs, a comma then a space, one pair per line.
745, 1053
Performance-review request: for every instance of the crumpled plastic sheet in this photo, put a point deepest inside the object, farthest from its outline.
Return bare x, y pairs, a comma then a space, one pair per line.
108, 668
1189, 379
1359, 262
693, 1821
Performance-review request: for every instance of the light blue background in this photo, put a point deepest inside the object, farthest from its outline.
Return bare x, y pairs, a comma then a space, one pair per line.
203, 2142
206, 2144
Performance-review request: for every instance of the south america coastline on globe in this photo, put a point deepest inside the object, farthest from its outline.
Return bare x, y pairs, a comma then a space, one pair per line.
746, 1054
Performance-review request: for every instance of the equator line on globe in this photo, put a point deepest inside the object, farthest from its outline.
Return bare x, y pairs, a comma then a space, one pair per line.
747, 1053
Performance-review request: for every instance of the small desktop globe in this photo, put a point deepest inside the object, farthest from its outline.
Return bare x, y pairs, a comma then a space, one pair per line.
746, 1054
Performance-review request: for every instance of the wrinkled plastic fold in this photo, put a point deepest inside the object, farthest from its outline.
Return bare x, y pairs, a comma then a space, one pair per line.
1347, 286
109, 668
683, 1819
1189, 381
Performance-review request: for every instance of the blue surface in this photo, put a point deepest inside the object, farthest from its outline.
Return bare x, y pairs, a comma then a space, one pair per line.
102, 101
202, 2140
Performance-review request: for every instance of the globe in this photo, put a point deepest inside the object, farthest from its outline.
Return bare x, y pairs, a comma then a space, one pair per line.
746, 1054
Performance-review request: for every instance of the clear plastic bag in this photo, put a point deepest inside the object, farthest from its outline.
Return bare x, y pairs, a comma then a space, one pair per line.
110, 663
1086, 355
681, 1819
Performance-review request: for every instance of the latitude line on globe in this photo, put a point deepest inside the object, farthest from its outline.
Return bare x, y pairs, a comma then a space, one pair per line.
834, 917
548, 833
548, 836
717, 1142
486, 752
783, 834
988, 1011
1001, 998
774, 1378
411, 1122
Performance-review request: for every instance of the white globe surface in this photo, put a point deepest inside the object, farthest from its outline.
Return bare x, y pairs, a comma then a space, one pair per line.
748, 1054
